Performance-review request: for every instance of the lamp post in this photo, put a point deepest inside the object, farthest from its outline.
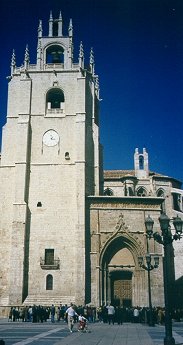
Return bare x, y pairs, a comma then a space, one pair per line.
166, 238
149, 267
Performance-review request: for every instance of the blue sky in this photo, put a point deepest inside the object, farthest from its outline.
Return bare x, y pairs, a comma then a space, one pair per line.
138, 48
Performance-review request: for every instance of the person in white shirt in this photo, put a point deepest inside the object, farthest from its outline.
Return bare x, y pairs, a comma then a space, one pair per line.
71, 313
136, 315
111, 312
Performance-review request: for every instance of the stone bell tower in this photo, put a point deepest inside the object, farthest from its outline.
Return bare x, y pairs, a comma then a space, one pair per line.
141, 164
49, 164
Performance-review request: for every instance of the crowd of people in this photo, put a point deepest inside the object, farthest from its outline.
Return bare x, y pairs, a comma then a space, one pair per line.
83, 314
105, 313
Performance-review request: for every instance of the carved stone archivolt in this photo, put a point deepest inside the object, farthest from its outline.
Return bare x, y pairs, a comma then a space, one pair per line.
131, 241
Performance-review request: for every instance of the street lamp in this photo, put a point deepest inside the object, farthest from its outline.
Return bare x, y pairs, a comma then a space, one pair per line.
166, 238
149, 267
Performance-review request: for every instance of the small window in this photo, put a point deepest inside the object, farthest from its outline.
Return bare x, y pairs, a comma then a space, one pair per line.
141, 192
141, 162
160, 193
49, 282
49, 256
39, 204
67, 155
130, 191
176, 202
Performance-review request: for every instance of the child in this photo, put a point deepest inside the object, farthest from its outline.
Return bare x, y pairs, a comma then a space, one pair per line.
82, 323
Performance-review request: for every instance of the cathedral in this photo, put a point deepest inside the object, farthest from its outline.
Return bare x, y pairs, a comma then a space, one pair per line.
70, 231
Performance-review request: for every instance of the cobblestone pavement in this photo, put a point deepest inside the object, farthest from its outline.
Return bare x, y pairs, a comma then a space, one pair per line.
22, 333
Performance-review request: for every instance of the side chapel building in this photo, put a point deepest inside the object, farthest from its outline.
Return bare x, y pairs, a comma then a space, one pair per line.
69, 231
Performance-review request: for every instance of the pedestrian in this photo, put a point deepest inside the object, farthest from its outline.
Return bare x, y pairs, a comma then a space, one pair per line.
136, 315
71, 314
52, 313
10, 314
119, 315
110, 312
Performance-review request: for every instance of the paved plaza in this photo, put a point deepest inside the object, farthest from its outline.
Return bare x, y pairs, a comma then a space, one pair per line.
22, 333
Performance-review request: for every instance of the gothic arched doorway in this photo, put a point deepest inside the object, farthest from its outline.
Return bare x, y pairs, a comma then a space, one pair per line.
118, 272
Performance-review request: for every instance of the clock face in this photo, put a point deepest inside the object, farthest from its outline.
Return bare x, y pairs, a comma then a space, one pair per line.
50, 138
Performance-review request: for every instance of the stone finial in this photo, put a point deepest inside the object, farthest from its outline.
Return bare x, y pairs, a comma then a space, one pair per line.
81, 55
50, 25
97, 87
13, 58
60, 24
97, 82
92, 61
91, 56
70, 30
51, 16
81, 51
40, 29
13, 62
26, 58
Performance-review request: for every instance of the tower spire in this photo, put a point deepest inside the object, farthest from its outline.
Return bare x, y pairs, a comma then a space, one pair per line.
81, 55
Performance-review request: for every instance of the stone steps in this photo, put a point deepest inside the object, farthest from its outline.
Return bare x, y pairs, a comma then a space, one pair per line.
48, 300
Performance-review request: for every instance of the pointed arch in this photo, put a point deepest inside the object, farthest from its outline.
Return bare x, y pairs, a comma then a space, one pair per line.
141, 191
160, 193
118, 242
118, 262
